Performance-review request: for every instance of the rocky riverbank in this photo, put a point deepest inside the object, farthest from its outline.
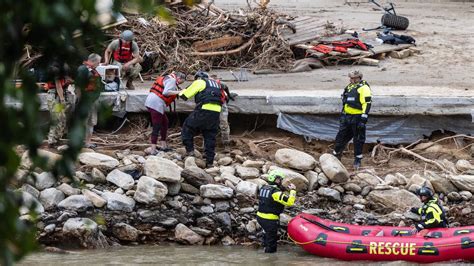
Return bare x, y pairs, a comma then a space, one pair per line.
125, 197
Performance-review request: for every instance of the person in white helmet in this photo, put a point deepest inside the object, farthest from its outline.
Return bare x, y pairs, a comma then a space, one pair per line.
125, 53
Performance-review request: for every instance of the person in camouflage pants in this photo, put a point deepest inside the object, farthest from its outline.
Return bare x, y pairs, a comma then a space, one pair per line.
58, 100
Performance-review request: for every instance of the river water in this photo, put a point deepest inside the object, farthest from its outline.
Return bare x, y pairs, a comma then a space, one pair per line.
189, 255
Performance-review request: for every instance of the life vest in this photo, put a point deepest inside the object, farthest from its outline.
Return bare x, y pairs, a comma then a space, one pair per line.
211, 94
223, 95
158, 88
124, 52
351, 95
93, 80
266, 203
438, 212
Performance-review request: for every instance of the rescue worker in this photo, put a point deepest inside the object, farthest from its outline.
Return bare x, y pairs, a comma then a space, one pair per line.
356, 103
272, 202
164, 91
87, 72
226, 95
205, 117
58, 100
124, 52
432, 213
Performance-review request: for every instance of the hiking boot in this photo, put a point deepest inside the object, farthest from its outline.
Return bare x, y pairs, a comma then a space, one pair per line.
357, 163
337, 155
190, 154
130, 85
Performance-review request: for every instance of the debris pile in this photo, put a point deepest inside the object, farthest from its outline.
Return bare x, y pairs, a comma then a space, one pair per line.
204, 37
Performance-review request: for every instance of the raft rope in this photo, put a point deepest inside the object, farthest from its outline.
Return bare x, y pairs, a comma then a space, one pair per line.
367, 245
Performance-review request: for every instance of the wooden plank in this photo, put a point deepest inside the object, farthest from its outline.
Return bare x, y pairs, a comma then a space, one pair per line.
303, 38
309, 27
384, 48
210, 45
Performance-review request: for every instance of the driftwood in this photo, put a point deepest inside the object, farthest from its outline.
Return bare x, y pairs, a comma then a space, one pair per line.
199, 37
410, 150
222, 42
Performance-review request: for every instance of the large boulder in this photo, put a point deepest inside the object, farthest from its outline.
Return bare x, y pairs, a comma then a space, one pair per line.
44, 180
185, 235
95, 159
118, 202
30, 189
196, 176
440, 184
68, 190
30, 202
247, 172
463, 182
51, 158
50, 198
394, 199
125, 232
365, 179
98, 176
247, 188
216, 191
96, 200
330, 193
254, 164
150, 191
258, 181
333, 168
295, 159
121, 179
187, 188
231, 178
173, 188
417, 181
312, 177
162, 169
230, 170
77, 203
86, 231
299, 180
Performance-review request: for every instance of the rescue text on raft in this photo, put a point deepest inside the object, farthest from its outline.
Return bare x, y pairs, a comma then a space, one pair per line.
380, 243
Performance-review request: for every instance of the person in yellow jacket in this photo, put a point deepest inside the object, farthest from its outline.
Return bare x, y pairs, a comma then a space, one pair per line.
205, 117
272, 202
432, 213
356, 103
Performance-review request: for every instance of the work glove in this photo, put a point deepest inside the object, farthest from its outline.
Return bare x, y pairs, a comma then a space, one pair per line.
414, 210
364, 118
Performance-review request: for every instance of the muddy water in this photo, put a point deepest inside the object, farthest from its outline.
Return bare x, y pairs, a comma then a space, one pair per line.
188, 255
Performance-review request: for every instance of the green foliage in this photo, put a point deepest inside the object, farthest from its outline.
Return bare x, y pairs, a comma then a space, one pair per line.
51, 27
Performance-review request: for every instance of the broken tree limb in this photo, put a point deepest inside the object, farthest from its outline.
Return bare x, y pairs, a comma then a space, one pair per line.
225, 41
237, 50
